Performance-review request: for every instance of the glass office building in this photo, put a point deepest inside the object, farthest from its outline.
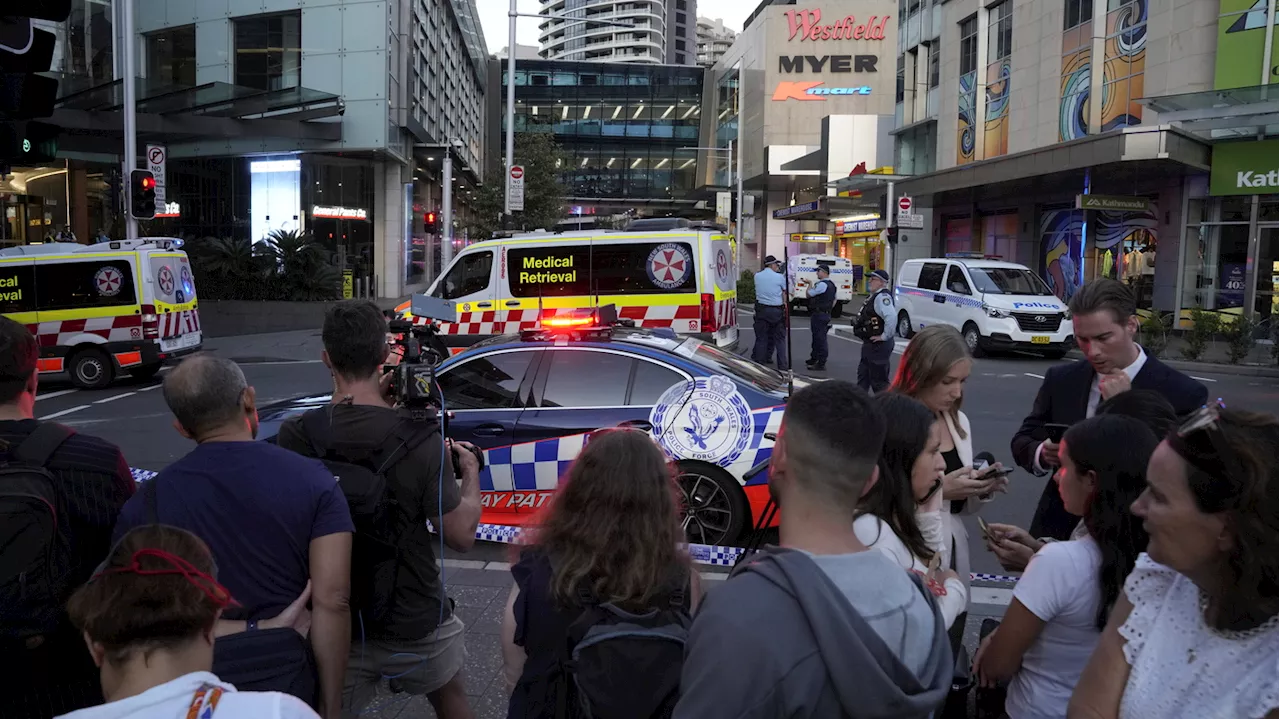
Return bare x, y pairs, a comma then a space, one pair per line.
627, 132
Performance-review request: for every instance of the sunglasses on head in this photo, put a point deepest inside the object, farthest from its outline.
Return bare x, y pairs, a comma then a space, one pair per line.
1207, 422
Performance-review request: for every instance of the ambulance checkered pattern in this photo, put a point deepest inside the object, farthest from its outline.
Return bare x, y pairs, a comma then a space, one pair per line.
121, 328
681, 318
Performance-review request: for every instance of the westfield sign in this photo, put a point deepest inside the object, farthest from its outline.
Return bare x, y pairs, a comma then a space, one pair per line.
807, 25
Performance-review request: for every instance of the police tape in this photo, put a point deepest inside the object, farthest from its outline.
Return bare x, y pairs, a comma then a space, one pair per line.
708, 554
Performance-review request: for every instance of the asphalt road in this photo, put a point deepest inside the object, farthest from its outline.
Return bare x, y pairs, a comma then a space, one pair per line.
1000, 391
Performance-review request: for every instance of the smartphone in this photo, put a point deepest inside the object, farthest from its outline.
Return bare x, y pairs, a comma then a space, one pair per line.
997, 474
1056, 431
982, 524
937, 484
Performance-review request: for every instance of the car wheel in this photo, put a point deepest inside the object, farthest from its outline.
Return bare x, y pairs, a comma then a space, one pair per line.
837, 310
145, 372
973, 338
714, 508
90, 368
1054, 354
904, 325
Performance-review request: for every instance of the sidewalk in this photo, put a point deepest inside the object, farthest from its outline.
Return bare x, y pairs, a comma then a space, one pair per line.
294, 346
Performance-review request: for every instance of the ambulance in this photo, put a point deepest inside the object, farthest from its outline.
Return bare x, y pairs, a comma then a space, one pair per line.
97, 310
802, 273
683, 279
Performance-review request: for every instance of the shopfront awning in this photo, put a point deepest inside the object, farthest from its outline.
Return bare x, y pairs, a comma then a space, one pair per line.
1221, 114
215, 109
1122, 152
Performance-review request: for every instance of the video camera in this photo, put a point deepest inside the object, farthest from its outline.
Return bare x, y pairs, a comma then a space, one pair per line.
422, 350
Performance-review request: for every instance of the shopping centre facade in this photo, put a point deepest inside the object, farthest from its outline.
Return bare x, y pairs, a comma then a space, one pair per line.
1162, 115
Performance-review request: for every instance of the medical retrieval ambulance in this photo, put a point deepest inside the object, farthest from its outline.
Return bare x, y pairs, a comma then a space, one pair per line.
683, 279
805, 267
96, 309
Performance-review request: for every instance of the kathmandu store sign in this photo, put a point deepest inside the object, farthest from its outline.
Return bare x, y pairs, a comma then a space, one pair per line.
1244, 168
807, 25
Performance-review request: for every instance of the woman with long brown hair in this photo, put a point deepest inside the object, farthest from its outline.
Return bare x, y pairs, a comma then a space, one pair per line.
148, 616
611, 534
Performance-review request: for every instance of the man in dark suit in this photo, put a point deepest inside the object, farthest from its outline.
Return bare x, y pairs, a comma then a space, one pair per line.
1104, 315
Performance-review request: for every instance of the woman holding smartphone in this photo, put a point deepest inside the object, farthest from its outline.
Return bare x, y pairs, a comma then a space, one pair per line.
902, 513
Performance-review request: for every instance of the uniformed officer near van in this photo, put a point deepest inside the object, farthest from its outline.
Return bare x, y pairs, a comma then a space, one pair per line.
875, 325
822, 297
771, 316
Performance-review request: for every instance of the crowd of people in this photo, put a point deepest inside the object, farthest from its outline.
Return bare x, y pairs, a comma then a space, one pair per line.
244, 577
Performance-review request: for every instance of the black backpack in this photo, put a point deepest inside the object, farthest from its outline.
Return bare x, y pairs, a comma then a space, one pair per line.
35, 553
867, 323
620, 665
375, 554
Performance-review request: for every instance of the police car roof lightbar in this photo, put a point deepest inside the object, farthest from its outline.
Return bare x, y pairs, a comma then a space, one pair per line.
434, 308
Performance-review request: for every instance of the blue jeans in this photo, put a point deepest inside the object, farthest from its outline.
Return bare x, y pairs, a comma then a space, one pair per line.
818, 324
771, 333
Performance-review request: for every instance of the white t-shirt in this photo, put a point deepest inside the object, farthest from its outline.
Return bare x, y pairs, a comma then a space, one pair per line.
1179, 667
1060, 587
173, 700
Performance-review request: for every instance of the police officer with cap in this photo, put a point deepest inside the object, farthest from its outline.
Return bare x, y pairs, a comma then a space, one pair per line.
822, 297
770, 321
877, 343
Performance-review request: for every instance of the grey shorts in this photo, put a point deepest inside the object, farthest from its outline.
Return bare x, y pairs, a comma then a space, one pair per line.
419, 667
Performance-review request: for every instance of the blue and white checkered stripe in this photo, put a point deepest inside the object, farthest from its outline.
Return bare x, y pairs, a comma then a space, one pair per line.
531, 466
141, 475
763, 421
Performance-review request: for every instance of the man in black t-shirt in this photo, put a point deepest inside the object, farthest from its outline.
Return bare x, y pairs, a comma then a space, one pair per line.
52, 674
421, 641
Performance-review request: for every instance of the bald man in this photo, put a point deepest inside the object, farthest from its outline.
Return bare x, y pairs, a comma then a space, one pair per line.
273, 520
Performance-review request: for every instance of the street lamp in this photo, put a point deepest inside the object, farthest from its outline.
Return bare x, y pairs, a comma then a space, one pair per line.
512, 14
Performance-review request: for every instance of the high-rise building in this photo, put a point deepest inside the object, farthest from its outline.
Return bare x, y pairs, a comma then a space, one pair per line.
661, 32
714, 40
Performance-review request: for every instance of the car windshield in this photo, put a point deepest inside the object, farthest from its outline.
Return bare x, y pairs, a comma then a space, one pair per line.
1008, 281
740, 368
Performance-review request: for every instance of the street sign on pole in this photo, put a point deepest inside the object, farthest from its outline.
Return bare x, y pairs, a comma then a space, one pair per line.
904, 205
909, 221
724, 205
515, 188
156, 158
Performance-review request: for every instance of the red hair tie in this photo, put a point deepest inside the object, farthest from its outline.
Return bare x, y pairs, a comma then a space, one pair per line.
216, 593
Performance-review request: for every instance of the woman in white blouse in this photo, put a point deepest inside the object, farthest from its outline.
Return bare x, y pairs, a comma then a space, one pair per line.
901, 513
933, 370
1194, 633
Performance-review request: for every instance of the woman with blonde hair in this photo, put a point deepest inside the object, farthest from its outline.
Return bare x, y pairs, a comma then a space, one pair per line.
933, 370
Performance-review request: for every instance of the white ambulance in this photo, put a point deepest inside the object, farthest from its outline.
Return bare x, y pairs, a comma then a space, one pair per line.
996, 305
805, 267
683, 279
98, 309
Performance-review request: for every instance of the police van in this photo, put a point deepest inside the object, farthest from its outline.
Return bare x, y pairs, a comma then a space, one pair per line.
996, 305
683, 279
802, 272
99, 309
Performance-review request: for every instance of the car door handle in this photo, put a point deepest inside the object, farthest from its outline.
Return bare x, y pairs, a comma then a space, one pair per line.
489, 430
513, 303
484, 304
642, 424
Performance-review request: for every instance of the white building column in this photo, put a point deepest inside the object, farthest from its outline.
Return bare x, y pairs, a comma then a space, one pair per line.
389, 239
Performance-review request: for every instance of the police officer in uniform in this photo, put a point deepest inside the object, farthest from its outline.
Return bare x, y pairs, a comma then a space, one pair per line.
873, 370
822, 297
771, 315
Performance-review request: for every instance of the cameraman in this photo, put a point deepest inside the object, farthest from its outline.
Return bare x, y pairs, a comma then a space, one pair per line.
420, 641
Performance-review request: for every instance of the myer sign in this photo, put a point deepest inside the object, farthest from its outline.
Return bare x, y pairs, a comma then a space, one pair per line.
1245, 168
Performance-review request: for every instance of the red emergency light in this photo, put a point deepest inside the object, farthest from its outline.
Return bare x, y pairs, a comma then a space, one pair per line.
569, 321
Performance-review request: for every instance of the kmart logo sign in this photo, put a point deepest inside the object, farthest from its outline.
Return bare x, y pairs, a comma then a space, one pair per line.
1245, 168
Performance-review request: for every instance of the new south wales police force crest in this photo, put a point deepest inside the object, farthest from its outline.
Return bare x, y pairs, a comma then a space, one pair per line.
705, 419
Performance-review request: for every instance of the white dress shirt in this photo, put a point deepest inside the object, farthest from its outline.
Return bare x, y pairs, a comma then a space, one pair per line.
1095, 397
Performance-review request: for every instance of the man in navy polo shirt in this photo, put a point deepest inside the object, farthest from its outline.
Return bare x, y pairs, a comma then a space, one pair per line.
272, 518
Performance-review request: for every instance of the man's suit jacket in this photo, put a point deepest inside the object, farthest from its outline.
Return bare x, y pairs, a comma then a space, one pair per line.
1064, 398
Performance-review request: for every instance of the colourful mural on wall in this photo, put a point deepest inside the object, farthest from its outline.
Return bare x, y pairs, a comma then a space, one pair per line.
1073, 107
967, 134
1124, 65
1060, 250
996, 122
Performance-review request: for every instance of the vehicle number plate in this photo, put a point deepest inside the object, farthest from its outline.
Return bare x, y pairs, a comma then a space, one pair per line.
191, 339
1040, 339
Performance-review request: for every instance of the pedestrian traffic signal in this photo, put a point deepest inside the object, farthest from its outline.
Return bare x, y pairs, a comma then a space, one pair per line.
142, 194
431, 223
891, 235
28, 143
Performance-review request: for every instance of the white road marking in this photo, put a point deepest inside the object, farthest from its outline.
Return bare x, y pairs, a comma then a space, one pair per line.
1203, 379
59, 393
65, 412
114, 398
148, 389
1037, 376
261, 364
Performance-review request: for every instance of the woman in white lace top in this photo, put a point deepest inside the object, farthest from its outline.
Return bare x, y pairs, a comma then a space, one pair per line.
1194, 634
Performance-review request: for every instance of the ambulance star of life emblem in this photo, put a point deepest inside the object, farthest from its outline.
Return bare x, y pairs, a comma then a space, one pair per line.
108, 281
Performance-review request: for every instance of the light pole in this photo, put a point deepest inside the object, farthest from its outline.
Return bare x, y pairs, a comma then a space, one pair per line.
130, 119
512, 14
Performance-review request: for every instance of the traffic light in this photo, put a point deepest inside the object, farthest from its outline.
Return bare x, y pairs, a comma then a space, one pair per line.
431, 223
142, 194
24, 51
891, 235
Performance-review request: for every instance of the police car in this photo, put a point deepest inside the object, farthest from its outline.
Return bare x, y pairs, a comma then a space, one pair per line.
529, 400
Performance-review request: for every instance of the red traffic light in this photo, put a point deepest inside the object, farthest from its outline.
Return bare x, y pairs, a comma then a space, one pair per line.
430, 218
148, 183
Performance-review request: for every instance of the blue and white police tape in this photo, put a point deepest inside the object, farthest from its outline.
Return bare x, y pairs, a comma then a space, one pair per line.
700, 553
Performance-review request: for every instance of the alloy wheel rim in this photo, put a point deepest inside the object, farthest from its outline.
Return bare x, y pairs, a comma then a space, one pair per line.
708, 512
